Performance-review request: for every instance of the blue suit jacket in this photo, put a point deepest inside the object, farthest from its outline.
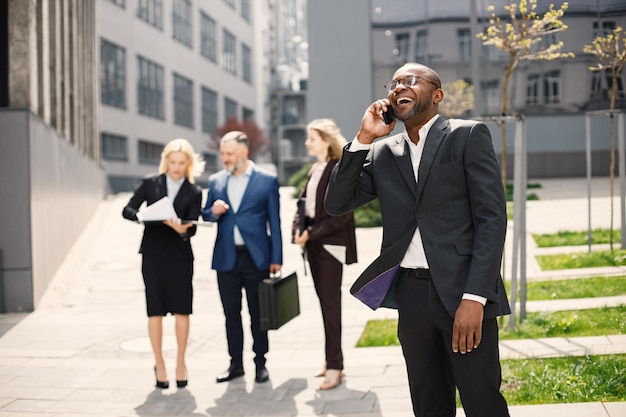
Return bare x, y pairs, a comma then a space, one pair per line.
258, 212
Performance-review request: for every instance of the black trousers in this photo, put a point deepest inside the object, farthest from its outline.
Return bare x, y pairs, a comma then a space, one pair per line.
231, 283
434, 371
327, 272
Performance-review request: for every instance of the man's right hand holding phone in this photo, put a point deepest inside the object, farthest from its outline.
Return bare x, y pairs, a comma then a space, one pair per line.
373, 124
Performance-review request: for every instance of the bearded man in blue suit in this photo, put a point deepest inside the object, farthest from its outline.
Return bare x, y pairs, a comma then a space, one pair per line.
245, 203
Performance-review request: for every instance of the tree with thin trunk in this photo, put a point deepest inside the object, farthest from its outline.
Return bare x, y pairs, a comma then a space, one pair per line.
458, 100
610, 50
524, 36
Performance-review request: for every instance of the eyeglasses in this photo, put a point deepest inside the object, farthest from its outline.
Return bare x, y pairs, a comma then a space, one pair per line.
407, 81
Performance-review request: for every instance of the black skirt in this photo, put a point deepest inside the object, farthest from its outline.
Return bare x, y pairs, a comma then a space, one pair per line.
168, 284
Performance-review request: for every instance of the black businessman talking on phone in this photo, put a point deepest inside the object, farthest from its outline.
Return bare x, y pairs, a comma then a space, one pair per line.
444, 223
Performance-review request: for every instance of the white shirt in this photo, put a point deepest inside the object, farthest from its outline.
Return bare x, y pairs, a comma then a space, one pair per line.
173, 186
415, 257
235, 187
311, 189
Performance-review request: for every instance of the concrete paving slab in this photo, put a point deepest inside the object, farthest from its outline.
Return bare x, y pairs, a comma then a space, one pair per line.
85, 351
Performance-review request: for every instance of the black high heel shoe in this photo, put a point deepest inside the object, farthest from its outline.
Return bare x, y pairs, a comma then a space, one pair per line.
182, 383
161, 384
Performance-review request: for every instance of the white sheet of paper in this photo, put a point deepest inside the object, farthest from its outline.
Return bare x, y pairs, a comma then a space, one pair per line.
338, 251
162, 209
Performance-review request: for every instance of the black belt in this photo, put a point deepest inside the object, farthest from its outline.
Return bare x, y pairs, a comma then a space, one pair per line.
417, 273
241, 248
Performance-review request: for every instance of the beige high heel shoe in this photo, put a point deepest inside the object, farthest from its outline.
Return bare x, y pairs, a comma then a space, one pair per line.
332, 379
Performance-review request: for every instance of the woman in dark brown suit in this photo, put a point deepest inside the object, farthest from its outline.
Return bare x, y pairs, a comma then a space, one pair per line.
167, 264
323, 233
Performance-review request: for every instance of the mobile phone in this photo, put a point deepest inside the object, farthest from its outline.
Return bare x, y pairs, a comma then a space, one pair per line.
389, 115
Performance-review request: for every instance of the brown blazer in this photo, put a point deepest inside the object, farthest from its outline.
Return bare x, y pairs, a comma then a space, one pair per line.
332, 230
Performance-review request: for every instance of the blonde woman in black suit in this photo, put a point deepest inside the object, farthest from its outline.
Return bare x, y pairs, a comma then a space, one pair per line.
167, 264
325, 142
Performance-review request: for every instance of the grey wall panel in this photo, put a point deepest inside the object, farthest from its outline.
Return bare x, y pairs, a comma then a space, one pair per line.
49, 191
66, 190
340, 62
15, 191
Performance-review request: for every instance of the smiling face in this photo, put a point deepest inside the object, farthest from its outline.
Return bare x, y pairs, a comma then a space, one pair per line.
420, 101
177, 163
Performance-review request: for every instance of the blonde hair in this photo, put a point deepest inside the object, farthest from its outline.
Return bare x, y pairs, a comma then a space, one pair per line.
331, 134
196, 164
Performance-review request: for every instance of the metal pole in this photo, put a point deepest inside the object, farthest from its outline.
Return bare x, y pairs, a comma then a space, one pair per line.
518, 193
622, 175
588, 156
521, 125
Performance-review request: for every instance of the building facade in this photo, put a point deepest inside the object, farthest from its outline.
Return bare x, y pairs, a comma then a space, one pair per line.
177, 68
50, 174
553, 96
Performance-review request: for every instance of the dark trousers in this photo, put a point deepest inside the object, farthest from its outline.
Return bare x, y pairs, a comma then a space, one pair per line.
327, 271
425, 333
230, 283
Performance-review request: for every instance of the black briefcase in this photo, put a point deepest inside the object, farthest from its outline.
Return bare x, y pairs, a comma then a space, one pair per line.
278, 300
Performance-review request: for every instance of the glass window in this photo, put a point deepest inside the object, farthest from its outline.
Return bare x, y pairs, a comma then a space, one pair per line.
245, 9
149, 152
605, 28
114, 147
112, 74
183, 101
421, 46
491, 94
150, 89
552, 87
208, 42
209, 110
230, 109
229, 55
151, 11
210, 162
246, 64
465, 44
402, 47
532, 89
181, 21
248, 114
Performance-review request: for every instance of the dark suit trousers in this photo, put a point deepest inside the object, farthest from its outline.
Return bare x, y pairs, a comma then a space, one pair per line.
327, 273
231, 283
425, 333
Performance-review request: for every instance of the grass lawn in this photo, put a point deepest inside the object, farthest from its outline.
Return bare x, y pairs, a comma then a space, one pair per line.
574, 288
576, 238
591, 259
568, 323
564, 380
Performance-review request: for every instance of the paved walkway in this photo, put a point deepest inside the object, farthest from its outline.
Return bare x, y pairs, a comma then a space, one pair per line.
85, 351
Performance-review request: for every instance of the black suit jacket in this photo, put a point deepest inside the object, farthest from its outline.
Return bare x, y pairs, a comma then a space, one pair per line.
333, 230
458, 204
159, 238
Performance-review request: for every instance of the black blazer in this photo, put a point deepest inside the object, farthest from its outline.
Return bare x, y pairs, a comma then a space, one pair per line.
458, 204
159, 238
333, 230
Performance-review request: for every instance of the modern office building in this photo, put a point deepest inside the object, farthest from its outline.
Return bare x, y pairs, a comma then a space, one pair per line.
553, 96
177, 68
50, 176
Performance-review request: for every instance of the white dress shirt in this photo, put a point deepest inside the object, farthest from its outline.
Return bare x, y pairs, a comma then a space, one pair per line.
235, 187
